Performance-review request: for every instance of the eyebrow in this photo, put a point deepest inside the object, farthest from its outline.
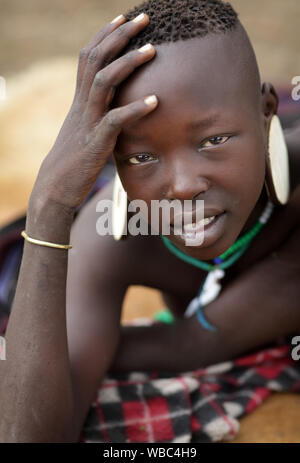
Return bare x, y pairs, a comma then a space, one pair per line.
195, 125
135, 137
204, 123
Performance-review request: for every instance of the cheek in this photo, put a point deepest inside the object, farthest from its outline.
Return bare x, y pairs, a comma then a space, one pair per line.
247, 176
141, 187
137, 183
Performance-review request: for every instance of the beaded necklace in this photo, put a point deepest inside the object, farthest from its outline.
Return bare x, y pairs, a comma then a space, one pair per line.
211, 287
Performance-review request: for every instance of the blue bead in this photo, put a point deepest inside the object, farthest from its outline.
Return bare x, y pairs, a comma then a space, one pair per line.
218, 260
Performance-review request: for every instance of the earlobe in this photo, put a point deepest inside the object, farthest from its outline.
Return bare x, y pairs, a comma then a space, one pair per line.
270, 100
119, 210
277, 179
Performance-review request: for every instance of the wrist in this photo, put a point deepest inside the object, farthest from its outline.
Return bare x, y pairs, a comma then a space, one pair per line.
49, 221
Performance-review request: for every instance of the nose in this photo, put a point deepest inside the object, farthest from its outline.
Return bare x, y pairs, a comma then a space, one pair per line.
185, 179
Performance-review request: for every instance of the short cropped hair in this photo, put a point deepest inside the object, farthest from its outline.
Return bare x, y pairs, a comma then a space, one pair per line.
173, 20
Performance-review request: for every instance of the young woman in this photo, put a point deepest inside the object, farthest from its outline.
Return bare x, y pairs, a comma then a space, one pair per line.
205, 135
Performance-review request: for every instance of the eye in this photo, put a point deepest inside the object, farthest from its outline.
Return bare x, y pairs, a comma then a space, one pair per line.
214, 141
141, 158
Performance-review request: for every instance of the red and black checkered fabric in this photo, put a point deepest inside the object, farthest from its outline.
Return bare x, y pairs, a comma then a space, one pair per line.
198, 406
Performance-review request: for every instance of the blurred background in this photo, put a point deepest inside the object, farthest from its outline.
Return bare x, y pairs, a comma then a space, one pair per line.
39, 45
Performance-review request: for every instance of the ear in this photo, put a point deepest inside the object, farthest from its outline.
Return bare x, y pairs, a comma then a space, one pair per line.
277, 163
269, 104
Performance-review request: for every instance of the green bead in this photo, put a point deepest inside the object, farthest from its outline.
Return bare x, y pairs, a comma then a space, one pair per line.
164, 316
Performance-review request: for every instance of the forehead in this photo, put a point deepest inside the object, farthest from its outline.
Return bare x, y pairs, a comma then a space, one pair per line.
201, 69
191, 78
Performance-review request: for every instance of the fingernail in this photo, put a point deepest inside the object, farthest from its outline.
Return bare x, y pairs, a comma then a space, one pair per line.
150, 100
146, 48
139, 18
118, 18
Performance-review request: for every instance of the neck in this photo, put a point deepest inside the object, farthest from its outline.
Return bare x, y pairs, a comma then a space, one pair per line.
256, 212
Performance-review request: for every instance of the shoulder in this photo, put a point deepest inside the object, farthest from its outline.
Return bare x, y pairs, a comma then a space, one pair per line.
293, 141
292, 208
101, 255
286, 226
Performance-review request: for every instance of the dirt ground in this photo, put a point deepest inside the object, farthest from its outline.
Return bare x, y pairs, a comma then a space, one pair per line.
39, 44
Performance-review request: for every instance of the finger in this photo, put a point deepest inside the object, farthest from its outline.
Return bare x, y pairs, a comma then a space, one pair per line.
107, 79
108, 49
84, 53
116, 119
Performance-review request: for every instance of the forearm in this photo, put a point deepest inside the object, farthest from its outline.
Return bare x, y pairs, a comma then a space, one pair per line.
184, 346
35, 383
255, 310
164, 347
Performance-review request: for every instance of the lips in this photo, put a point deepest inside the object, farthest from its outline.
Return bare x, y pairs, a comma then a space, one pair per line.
201, 234
198, 226
189, 219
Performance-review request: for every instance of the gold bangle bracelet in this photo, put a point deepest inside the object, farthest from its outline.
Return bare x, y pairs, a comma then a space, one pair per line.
45, 243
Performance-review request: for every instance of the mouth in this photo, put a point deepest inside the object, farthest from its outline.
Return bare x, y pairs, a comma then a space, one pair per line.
204, 232
190, 221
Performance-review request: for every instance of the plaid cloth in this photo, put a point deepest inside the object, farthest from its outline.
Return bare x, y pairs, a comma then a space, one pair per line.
198, 406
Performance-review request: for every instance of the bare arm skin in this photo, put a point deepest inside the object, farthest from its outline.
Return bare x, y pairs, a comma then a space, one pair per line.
41, 397
96, 285
36, 373
78, 344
